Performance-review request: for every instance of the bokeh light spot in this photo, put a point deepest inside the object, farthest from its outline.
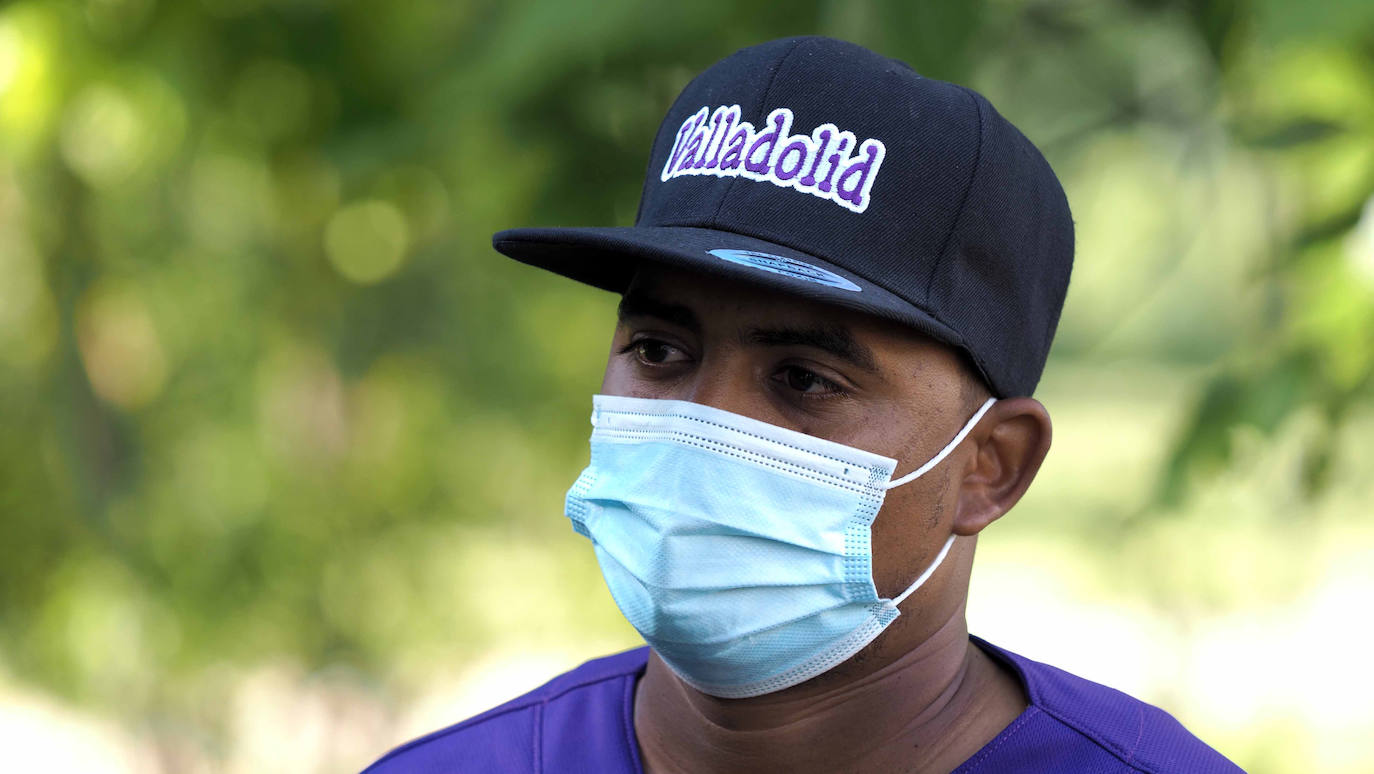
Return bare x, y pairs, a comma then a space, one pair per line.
366, 241
119, 347
302, 417
11, 51
1359, 246
28, 40
100, 137
113, 131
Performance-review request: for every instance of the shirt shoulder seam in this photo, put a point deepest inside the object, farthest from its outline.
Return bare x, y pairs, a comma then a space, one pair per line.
538, 751
1127, 757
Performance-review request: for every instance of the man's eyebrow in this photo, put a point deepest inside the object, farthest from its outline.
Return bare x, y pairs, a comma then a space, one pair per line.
835, 339
641, 304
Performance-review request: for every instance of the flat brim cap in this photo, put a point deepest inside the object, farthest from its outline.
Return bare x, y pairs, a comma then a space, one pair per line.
818, 168
609, 257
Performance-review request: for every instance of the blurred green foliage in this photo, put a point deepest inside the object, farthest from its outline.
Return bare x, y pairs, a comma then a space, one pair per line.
262, 377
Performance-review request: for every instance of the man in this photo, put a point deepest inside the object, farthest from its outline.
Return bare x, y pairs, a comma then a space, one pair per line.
837, 299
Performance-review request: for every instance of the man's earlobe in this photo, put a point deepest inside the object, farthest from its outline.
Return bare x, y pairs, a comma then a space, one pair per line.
1010, 444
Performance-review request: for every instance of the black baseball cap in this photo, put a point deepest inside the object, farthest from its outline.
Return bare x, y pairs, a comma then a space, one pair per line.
818, 168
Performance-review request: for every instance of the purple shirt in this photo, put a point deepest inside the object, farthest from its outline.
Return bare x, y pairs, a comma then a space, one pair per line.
582, 721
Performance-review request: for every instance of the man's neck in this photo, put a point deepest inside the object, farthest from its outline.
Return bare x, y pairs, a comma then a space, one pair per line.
927, 711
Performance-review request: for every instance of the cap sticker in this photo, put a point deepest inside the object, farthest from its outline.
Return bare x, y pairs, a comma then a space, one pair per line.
787, 267
830, 163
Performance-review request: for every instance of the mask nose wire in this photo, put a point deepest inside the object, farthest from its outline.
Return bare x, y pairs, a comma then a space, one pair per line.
938, 458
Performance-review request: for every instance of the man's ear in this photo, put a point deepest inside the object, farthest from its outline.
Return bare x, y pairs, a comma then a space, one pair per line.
1010, 443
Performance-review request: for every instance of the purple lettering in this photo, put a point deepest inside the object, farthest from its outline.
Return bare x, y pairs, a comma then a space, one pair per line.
828, 163
822, 138
690, 156
797, 148
735, 154
680, 143
730, 116
767, 142
717, 121
834, 160
860, 173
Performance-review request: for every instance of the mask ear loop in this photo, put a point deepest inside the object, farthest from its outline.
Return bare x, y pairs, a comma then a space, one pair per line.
937, 459
925, 576
917, 473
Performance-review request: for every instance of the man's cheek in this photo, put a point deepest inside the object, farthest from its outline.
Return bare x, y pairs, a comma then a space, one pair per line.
893, 542
613, 382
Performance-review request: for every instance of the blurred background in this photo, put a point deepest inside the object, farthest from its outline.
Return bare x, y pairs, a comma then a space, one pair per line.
283, 442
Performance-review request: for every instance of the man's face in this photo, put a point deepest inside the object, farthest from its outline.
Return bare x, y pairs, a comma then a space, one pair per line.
817, 369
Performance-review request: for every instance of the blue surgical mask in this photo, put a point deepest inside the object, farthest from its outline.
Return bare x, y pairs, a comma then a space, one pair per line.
739, 550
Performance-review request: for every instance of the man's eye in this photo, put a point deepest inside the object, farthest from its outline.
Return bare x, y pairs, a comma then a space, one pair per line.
802, 380
655, 352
